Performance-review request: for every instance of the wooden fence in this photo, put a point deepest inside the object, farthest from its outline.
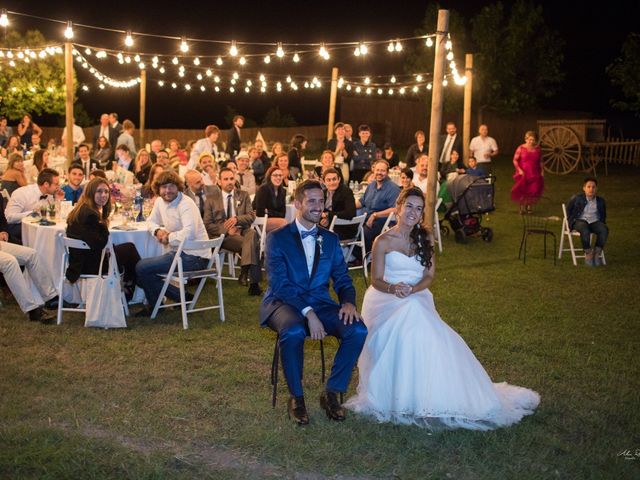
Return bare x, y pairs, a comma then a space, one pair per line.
621, 151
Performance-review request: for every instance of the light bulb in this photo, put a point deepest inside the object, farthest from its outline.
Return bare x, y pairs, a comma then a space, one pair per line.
380, 91
358, 89
450, 56
267, 59
348, 87
262, 77
242, 61
174, 85
280, 51
429, 42
393, 79
68, 32
390, 91
401, 91
364, 49
160, 83
202, 88
288, 78
419, 78
296, 57
128, 40
390, 48
137, 58
367, 80
196, 61
233, 50
414, 89
199, 76
175, 60
4, 19
398, 47
235, 75
184, 47
209, 72
187, 87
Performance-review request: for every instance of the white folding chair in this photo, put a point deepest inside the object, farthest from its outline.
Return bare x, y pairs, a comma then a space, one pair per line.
230, 258
177, 275
436, 226
260, 226
113, 270
576, 251
390, 218
358, 240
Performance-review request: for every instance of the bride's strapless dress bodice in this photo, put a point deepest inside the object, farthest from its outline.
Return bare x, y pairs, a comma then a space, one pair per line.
401, 268
415, 369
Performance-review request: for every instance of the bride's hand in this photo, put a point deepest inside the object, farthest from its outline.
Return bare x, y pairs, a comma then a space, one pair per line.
316, 329
402, 290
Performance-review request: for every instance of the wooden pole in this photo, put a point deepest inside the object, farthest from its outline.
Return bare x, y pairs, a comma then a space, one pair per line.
68, 82
332, 102
466, 123
437, 101
143, 104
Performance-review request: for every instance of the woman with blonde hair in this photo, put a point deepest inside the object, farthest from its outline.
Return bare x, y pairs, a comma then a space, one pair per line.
529, 174
142, 166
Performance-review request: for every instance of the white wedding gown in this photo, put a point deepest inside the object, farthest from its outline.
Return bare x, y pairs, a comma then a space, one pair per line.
414, 369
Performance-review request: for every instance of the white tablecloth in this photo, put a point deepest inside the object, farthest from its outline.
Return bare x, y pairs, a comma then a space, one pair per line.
47, 241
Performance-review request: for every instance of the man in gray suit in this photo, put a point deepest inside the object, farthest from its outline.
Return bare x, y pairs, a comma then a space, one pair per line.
197, 190
230, 212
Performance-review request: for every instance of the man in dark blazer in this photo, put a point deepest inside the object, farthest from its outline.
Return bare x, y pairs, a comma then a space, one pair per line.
104, 129
85, 161
229, 212
449, 142
301, 261
233, 137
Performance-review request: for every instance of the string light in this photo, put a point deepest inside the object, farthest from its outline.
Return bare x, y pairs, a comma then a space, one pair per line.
450, 56
233, 50
361, 49
184, 46
68, 32
242, 61
296, 57
280, 50
196, 61
128, 40
219, 61
4, 19
175, 61
324, 53
429, 42
393, 79
267, 59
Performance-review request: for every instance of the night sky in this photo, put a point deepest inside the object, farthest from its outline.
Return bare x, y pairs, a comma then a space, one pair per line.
593, 39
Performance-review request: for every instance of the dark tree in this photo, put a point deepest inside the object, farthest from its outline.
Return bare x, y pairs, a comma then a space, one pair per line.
624, 72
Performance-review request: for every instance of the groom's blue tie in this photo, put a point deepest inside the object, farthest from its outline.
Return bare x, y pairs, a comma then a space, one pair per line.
313, 232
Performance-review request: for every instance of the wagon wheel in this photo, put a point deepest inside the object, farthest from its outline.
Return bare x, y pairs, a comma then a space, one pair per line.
561, 150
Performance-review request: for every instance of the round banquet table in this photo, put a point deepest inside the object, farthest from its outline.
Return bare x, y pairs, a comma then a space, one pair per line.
47, 241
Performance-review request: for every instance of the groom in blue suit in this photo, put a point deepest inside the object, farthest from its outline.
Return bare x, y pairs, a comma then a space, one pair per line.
301, 259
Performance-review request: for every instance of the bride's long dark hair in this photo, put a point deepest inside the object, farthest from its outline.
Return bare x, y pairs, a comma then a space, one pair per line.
419, 235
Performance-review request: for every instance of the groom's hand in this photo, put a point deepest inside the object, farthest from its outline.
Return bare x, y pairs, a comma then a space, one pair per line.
348, 313
316, 329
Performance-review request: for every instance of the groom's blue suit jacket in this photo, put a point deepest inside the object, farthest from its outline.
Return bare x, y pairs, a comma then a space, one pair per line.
289, 280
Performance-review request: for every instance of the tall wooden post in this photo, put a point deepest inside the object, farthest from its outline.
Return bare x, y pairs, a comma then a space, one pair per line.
143, 104
437, 101
332, 102
466, 123
68, 82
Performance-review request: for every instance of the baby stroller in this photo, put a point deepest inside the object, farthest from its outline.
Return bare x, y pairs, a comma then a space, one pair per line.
472, 196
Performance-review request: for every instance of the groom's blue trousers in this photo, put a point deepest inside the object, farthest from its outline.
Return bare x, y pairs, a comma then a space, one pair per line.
292, 328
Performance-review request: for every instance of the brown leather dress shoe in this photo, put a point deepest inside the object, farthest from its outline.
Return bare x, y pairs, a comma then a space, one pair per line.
329, 401
298, 411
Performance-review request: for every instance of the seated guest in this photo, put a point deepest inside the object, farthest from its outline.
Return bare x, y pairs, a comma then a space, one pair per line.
422, 169
36, 143
587, 214
163, 159
13, 177
175, 217
12, 145
25, 200
142, 166
89, 222
340, 145
156, 146
474, 168
406, 178
84, 159
174, 149
271, 199
390, 156
123, 157
207, 166
73, 189
228, 211
276, 150
120, 174
327, 162
452, 168
417, 149
244, 175
262, 157
338, 202
147, 189
40, 162
206, 144
197, 190
282, 162
11, 258
97, 173
378, 201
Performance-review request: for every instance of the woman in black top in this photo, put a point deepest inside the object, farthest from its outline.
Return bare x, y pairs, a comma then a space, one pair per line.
338, 202
416, 149
142, 166
89, 222
271, 199
390, 156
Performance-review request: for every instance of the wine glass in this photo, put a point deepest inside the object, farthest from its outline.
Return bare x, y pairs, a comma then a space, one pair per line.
147, 206
136, 208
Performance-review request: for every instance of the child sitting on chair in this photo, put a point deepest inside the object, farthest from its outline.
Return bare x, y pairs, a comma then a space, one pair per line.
475, 169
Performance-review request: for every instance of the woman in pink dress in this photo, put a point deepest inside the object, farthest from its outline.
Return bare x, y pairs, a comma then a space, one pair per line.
529, 180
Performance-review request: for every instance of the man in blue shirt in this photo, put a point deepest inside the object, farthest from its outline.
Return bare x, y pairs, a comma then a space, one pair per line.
587, 214
378, 201
73, 189
364, 153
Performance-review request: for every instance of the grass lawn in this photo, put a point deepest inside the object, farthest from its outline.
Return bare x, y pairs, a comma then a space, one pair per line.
154, 401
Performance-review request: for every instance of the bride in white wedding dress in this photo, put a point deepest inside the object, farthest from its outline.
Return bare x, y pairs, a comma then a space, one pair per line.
414, 369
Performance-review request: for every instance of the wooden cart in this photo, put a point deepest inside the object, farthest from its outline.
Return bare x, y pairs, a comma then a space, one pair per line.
568, 145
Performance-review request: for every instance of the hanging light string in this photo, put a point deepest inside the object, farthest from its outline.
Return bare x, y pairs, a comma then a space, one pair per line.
12, 56
277, 48
101, 77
